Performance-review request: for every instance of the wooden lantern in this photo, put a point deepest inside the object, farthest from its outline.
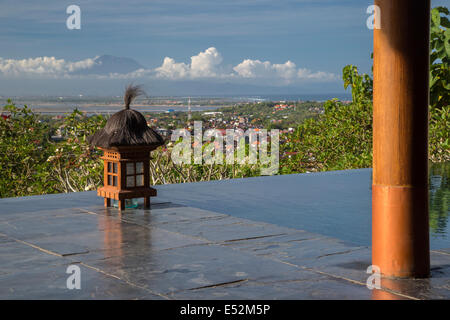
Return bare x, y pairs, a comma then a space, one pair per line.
126, 175
126, 142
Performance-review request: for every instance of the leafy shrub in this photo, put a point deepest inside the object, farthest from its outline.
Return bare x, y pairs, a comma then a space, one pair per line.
75, 166
341, 138
440, 59
24, 149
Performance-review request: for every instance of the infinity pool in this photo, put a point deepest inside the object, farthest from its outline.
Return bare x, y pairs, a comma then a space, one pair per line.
336, 204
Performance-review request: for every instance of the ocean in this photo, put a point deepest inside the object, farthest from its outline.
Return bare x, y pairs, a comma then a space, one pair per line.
108, 105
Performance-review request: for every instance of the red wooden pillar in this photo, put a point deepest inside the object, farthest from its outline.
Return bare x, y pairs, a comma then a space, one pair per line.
400, 235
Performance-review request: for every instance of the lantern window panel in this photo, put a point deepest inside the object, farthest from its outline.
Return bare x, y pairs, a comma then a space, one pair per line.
139, 180
112, 180
130, 181
134, 174
112, 169
130, 168
139, 167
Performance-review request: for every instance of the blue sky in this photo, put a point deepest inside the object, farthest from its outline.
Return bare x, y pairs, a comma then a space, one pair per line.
254, 43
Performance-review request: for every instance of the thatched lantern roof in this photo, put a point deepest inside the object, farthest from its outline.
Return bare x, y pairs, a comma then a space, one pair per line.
127, 127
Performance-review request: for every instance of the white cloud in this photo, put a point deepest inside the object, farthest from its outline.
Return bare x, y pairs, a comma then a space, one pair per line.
252, 68
172, 70
203, 65
319, 75
286, 71
207, 64
43, 66
257, 69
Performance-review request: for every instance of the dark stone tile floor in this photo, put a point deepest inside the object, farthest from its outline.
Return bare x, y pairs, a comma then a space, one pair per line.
176, 251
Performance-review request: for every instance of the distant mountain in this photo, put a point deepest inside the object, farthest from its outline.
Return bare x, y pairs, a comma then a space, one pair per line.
107, 64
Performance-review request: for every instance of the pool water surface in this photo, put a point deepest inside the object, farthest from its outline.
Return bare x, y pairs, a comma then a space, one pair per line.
335, 204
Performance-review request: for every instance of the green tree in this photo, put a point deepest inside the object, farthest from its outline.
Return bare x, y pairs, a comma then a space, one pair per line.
24, 149
361, 85
341, 138
440, 59
439, 86
75, 166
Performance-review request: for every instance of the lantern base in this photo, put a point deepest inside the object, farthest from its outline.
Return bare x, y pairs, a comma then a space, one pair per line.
121, 196
129, 203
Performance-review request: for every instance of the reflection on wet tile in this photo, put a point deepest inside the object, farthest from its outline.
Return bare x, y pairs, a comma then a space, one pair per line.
192, 267
180, 252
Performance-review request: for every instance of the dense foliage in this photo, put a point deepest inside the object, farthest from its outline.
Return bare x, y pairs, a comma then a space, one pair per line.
32, 164
439, 85
24, 149
440, 58
74, 165
341, 138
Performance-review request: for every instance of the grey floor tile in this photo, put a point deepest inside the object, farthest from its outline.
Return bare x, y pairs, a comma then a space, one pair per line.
51, 283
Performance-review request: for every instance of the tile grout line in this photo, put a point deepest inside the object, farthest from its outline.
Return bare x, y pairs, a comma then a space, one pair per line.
126, 281
148, 227
225, 242
207, 242
32, 245
84, 264
344, 278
